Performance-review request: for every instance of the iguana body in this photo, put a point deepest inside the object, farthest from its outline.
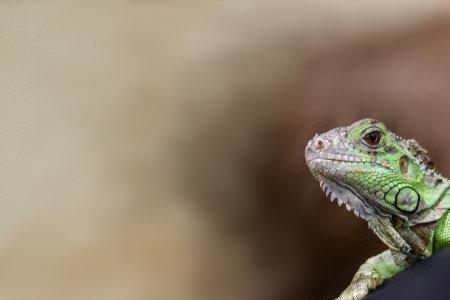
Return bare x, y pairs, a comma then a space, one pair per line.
389, 182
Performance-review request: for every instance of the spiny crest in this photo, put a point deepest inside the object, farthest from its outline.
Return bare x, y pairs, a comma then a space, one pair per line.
421, 154
431, 176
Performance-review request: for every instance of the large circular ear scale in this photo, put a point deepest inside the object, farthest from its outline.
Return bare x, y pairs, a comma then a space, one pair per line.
407, 200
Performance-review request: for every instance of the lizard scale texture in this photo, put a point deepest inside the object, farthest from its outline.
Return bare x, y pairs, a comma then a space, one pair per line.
391, 183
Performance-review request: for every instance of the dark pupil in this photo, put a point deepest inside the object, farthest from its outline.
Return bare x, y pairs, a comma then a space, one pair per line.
372, 138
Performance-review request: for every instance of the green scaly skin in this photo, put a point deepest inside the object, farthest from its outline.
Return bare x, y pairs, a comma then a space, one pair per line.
391, 183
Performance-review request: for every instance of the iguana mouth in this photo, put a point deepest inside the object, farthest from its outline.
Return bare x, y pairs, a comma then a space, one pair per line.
312, 155
323, 164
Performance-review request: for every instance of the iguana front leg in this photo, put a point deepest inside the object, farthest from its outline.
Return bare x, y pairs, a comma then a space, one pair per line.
372, 273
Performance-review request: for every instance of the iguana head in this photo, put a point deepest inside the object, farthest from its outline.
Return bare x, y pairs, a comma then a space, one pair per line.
373, 171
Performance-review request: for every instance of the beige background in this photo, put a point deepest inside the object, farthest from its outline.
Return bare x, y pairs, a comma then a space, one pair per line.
154, 149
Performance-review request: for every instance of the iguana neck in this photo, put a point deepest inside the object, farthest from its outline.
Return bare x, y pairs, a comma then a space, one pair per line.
437, 202
445, 199
435, 189
417, 232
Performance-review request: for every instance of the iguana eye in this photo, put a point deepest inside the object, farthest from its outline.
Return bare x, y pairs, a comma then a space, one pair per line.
373, 138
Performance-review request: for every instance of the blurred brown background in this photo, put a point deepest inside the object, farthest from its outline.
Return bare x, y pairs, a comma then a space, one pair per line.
154, 149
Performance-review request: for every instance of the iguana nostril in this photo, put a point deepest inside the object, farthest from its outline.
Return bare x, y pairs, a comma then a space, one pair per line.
319, 144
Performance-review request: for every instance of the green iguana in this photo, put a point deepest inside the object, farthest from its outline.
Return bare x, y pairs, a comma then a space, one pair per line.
389, 182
